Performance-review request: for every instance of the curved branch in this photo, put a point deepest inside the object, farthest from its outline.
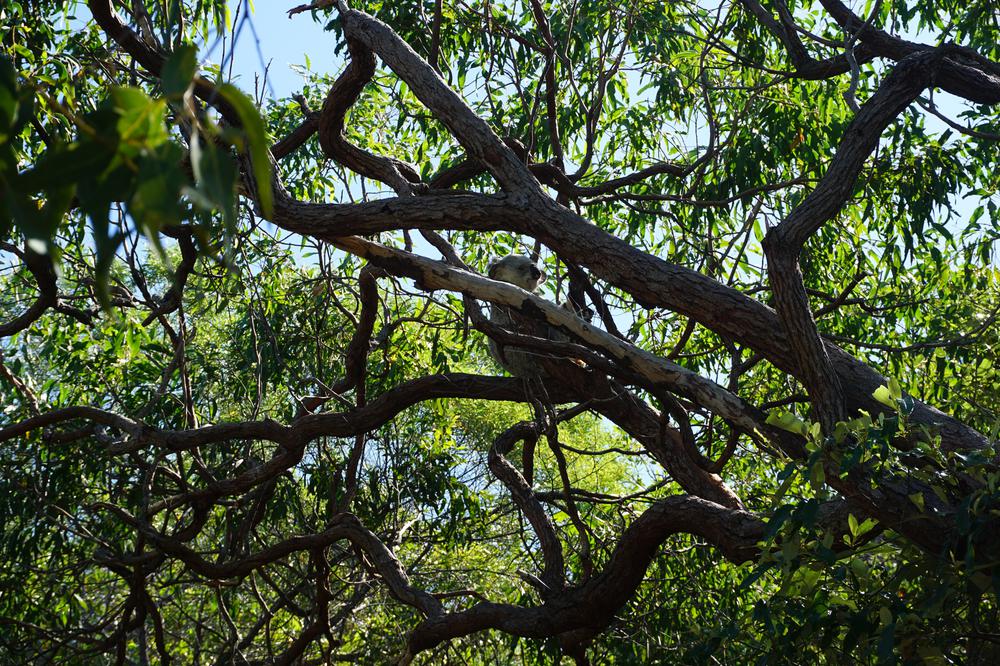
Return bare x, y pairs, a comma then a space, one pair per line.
593, 605
344, 526
651, 281
59, 416
806, 67
783, 243
964, 72
356, 355
151, 59
553, 575
41, 269
344, 424
171, 300
470, 130
343, 94
296, 138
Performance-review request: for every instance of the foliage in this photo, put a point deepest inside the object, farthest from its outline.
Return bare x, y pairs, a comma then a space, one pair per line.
243, 425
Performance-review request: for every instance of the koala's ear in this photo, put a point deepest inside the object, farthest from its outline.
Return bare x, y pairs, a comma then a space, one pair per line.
492, 266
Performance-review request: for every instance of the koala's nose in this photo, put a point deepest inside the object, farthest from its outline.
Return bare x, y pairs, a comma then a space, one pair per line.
536, 273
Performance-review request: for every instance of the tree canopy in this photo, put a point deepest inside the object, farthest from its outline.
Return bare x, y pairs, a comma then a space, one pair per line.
251, 415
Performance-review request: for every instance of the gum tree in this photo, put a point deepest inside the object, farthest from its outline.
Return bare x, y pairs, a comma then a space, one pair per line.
250, 415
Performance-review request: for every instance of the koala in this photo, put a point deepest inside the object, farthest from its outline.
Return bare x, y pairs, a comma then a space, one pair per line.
524, 273
517, 270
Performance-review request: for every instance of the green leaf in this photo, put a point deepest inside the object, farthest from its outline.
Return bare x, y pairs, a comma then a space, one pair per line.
97, 192
217, 179
9, 98
178, 71
788, 421
156, 202
106, 243
894, 389
39, 222
61, 166
259, 150
884, 396
859, 568
817, 475
141, 123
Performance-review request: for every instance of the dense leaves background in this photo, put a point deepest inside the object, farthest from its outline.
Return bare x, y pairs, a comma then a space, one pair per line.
153, 287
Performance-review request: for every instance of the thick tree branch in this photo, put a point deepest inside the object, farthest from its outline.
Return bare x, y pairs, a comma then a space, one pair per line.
805, 66
593, 605
343, 94
470, 130
964, 72
650, 280
783, 243
343, 526
41, 268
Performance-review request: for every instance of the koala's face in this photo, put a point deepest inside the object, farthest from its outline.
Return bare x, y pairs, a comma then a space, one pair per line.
518, 270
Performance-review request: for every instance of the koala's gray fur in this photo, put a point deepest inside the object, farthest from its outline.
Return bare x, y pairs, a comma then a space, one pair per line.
524, 273
517, 270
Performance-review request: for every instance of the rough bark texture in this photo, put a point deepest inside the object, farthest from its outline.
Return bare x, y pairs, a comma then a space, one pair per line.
577, 361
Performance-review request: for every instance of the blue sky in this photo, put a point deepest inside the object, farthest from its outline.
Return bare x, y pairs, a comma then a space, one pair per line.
283, 43
269, 39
